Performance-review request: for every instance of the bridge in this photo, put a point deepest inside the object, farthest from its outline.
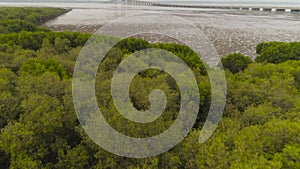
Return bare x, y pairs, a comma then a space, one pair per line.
241, 8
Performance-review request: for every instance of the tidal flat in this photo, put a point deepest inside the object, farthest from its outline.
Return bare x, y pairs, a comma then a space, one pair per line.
230, 31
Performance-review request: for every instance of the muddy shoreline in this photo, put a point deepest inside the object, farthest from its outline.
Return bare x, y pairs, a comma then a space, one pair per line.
229, 32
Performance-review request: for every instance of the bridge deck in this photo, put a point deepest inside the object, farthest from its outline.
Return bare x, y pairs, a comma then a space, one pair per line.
234, 7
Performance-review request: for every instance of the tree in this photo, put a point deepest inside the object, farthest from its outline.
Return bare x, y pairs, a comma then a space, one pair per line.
278, 52
38, 67
236, 62
9, 103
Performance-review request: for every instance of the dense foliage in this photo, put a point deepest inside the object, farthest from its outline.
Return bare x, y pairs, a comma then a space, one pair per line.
39, 128
30, 14
235, 62
278, 52
10, 26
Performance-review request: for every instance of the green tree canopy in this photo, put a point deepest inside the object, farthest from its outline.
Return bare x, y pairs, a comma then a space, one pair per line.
236, 62
278, 52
